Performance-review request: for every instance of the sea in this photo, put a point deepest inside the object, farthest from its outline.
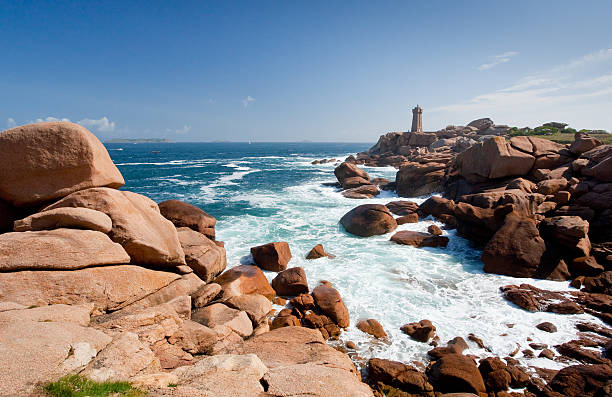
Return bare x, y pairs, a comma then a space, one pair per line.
264, 192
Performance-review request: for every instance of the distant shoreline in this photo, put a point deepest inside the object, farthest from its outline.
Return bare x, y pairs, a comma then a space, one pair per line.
142, 140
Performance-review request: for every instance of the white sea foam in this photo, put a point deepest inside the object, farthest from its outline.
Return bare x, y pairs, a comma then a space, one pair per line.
392, 283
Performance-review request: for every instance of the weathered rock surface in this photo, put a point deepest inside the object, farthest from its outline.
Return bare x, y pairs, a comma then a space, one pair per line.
72, 218
245, 279
272, 256
318, 252
347, 170
400, 376
205, 257
456, 373
108, 287
371, 326
290, 282
61, 249
256, 306
415, 179
45, 161
148, 237
419, 239
219, 314
361, 192
368, 220
183, 214
331, 304
422, 331
35, 345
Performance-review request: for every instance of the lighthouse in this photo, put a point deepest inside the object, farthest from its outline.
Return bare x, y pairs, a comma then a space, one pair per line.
417, 121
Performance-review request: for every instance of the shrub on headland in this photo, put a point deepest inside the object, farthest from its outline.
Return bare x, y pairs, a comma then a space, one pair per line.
78, 386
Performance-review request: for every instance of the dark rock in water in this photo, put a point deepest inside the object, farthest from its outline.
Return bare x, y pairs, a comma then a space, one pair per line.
599, 284
318, 252
398, 375
410, 218
437, 206
435, 230
323, 324
456, 373
422, 331
348, 170
303, 302
290, 282
183, 214
372, 327
418, 239
354, 181
331, 304
547, 327
380, 182
582, 380
575, 349
534, 299
368, 220
272, 256
402, 207
361, 192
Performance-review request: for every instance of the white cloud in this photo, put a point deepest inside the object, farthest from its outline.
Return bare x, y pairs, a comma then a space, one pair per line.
51, 119
578, 91
100, 125
10, 122
497, 59
184, 130
246, 101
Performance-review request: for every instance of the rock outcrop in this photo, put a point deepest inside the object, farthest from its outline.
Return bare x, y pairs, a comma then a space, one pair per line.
202, 255
368, 220
183, 214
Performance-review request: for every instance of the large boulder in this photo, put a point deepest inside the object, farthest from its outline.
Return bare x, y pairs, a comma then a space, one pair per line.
148, 237
493, 158
570, 232
183, 214
108, 287
245, 279
582, 380
583, 143
361, 192
72, 218
272, 256
256, 306
516, 249
456, 373
219, 314
422, 331
371, 326
61, 249
202, 255
481, 124
368, 220
42, 344
290, 282
418, 239
331, 304
415, 179
45, 161
399, 375
348, 170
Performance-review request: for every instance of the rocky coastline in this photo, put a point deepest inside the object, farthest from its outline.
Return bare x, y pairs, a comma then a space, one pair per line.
109, 285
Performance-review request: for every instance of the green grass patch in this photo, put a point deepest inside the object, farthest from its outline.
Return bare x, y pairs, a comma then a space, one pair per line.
569, 138
78, 386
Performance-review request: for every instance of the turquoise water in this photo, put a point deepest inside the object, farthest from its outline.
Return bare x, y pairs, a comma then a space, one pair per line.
266, 192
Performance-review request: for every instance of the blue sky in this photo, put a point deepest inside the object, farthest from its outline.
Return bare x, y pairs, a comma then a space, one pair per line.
291, 71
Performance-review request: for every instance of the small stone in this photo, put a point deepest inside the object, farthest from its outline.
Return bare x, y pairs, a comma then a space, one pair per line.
547, 327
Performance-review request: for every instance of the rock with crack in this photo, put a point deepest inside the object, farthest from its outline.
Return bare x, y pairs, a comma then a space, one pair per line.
219, 314
72, 218
205, 257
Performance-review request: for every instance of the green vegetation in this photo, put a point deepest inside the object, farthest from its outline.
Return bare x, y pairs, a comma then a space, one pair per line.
78, 386
565, 135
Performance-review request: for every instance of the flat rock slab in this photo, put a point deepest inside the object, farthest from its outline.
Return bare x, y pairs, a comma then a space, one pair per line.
35, 347
108, 287
418, 239
61, 249
148, 237
72, 218
45, 161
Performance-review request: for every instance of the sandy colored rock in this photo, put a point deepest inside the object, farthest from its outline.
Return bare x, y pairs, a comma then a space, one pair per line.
61, 249
371, 326
205, 294
36, 348
272, 256
126, 356
330, 302
45, 161
201, 254
219, 314
290, 282
148, 237
493, 158
187, 285
256, 306
296, 345
314, 380
108, 287
245, 279
183, 214
368, 220
224, 375
72, 218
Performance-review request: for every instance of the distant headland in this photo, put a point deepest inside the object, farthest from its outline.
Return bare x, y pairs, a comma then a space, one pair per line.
139, 140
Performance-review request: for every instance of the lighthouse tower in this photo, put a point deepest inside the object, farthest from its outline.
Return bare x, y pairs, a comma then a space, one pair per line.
417, 121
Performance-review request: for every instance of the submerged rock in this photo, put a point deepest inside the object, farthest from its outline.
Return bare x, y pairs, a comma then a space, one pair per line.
318, 252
